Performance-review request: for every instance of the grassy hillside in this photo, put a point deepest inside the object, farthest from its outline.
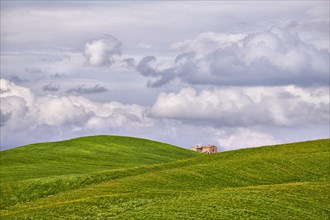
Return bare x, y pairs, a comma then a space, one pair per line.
277, 182
84, 155
38, 170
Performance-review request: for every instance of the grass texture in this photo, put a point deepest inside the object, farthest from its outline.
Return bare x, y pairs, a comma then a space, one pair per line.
111, 177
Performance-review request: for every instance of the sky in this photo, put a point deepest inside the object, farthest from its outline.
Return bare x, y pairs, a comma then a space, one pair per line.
235, 74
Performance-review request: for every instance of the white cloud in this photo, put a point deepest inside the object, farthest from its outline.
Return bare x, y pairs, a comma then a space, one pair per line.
206, 42
271, 57
56, 111
9, 89
100, 52
280, 106
243, 138
185, 119
27, 113
144, 45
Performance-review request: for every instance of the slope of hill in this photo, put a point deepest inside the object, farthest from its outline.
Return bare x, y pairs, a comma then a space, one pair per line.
84, 155
278, 182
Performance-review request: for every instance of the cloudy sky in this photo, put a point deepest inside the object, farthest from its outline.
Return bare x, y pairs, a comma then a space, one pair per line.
235, 74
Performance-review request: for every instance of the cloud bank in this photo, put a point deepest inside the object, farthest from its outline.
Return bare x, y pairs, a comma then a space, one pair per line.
244, 74
222, 116
32, 116
279, 106
269, 58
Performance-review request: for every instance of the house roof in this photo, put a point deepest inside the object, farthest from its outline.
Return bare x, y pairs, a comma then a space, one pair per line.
208, 146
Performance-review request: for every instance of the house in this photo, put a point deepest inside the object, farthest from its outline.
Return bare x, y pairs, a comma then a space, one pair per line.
209, 149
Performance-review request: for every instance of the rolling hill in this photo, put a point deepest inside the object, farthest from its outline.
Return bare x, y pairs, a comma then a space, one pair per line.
85, 155
109, 177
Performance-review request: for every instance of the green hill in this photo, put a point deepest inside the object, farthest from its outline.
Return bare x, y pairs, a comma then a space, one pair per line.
107, 177
84, 155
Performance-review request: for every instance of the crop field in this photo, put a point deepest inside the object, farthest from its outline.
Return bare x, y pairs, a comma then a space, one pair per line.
111, 177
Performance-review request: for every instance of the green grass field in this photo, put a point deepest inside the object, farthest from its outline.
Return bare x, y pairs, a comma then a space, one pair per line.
109, 177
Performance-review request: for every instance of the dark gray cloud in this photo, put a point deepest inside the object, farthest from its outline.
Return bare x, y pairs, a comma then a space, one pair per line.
144, 67
51, 87
17, 79
130, 62
4, 118
163, 76
82, 89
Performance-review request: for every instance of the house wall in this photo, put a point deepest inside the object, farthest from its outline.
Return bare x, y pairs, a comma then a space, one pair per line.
198, 149
209, 150
205, 149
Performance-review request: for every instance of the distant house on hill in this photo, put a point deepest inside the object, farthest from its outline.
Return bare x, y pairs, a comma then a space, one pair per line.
209, 149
